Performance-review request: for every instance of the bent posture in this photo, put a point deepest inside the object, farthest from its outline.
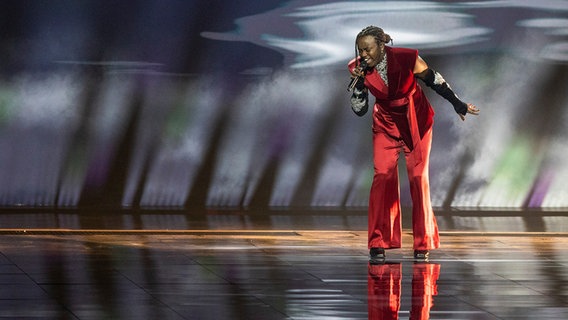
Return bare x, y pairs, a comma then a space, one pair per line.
402, 121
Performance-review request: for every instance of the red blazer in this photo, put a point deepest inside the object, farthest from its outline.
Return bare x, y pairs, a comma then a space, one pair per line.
392, 102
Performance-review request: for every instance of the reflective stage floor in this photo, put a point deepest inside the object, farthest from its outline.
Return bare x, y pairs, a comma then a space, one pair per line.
277, 265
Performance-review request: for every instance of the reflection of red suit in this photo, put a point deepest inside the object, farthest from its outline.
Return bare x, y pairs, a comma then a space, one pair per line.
384, 290
424, 288
402, 118
383, 287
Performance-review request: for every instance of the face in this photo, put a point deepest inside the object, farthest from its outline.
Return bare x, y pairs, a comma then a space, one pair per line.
369, 50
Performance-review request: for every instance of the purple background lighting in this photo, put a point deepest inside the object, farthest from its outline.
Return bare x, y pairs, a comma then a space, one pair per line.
192, 104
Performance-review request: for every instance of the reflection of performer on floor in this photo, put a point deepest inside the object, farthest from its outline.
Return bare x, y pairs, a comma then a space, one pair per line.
402, 121
384, 290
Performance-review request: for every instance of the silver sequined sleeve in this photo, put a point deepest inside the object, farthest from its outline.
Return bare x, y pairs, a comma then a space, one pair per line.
360, 101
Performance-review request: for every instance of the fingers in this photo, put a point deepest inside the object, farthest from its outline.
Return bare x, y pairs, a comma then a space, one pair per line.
472, 109
357, 72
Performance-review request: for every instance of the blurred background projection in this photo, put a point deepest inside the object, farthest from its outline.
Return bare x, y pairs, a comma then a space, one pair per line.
216, 104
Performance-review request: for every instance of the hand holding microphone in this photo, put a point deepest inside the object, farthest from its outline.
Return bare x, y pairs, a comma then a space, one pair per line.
358, 75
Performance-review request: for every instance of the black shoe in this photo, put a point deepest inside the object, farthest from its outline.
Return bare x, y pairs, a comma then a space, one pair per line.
377, 255
421, 255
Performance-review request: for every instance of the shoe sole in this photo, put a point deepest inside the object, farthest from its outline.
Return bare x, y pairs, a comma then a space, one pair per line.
377, 260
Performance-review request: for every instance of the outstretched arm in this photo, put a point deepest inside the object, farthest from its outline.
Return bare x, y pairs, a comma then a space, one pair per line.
435, 81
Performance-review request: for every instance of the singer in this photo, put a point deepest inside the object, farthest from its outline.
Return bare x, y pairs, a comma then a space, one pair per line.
402, 122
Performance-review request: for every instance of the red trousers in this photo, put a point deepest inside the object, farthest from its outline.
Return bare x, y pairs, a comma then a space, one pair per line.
385, 227
384, 290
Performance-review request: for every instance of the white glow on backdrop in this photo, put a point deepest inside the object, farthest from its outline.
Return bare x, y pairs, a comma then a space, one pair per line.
538, 5
416, 24
501, 94
420, 24
40, 115
288, 134
557, 51
158, 101
429, 25
237, 155
46, 101
555, 25
556, 191
345, 157
173, 133
500, 137
334, 181
184, 138
88, 160
274, 120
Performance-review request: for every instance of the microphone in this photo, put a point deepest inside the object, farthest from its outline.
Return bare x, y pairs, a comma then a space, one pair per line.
354, 81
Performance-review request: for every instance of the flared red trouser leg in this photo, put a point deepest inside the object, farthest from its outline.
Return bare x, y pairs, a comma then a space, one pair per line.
424, 226
385, 228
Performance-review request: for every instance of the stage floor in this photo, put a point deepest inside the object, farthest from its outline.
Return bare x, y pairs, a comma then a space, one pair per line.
282, 264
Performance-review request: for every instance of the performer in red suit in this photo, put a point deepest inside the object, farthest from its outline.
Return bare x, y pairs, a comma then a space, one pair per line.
402, 121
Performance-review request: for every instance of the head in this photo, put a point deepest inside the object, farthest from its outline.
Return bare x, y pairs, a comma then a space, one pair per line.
370, 45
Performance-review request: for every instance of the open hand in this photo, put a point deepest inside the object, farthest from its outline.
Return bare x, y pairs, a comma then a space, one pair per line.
471, 109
